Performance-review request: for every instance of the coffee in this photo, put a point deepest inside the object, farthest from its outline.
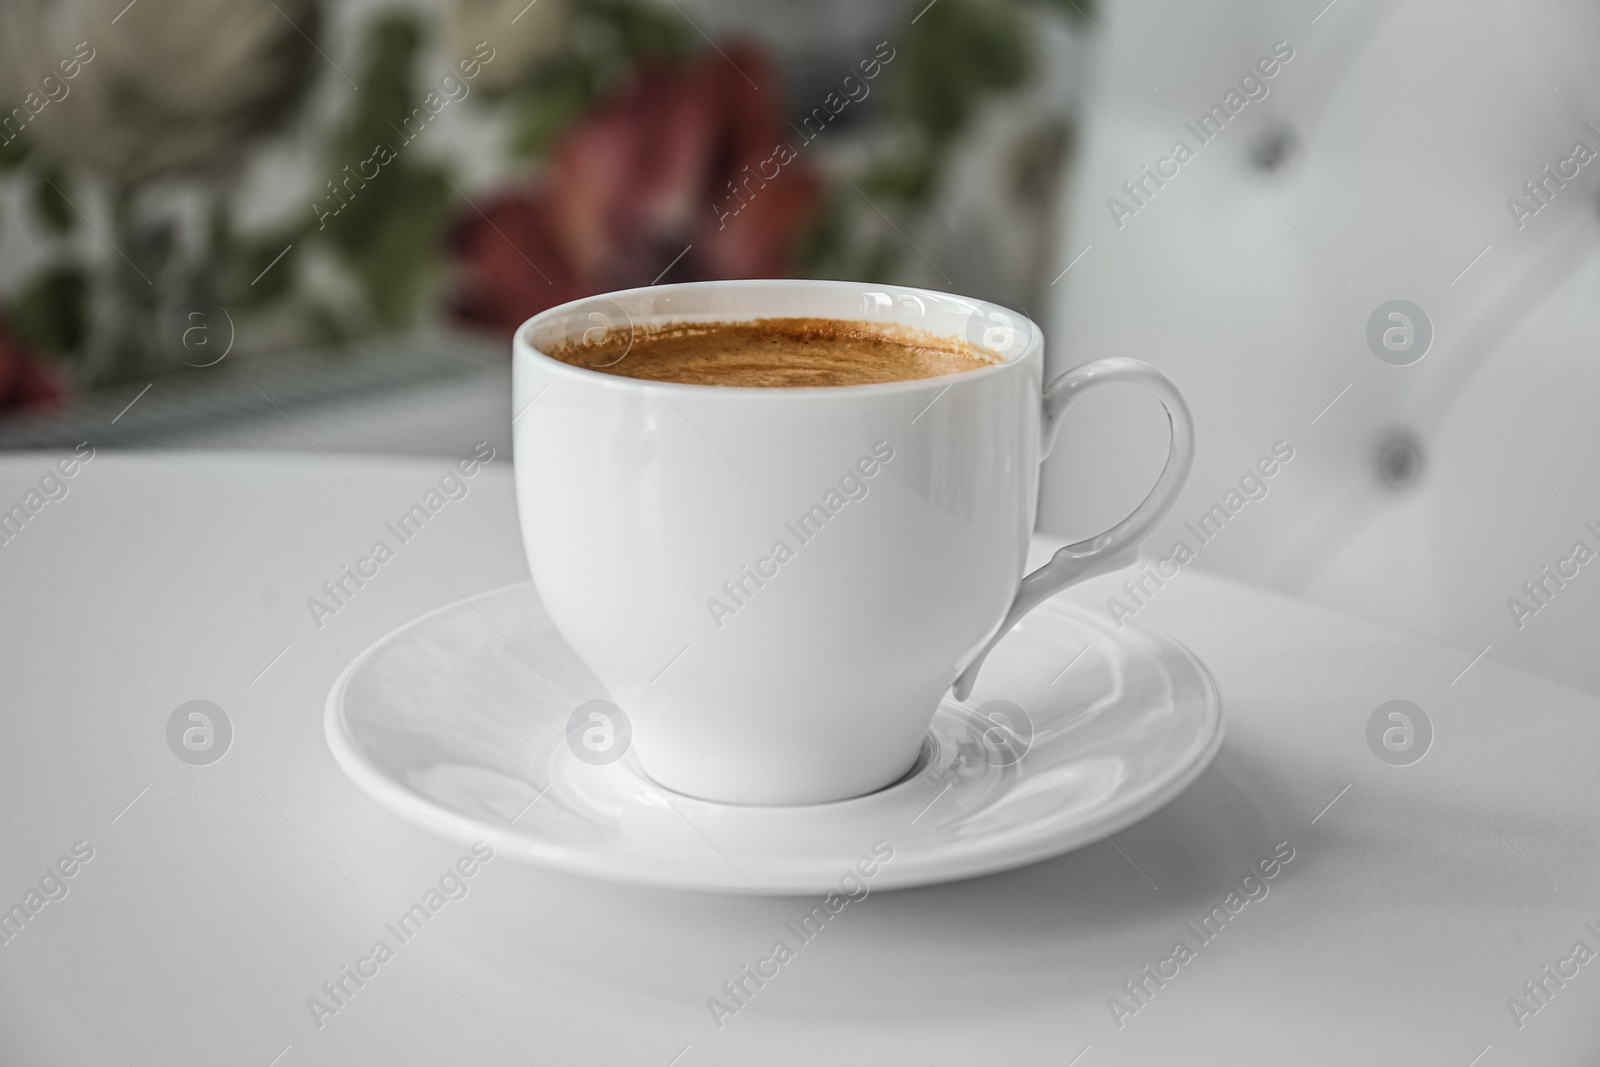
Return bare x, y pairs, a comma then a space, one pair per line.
775, 353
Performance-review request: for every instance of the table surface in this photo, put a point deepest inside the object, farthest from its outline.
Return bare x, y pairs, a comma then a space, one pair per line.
219, 899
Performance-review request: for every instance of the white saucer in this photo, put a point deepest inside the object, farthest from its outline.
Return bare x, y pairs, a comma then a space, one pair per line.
457, 721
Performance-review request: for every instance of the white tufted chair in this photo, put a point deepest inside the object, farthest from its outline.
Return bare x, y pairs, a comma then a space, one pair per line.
1378, 167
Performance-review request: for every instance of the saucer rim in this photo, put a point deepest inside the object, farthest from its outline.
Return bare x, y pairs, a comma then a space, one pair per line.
1047, 838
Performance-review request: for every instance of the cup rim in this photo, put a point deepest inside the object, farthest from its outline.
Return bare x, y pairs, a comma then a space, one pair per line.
521, 346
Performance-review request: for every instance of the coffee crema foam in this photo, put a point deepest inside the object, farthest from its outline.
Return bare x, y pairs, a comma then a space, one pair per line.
776, 353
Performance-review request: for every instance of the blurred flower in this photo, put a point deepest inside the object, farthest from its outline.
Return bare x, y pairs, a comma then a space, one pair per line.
640, 190
173, 87
25, 380
521, 32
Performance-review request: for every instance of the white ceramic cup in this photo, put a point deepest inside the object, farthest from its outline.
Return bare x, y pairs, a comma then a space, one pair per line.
778, 586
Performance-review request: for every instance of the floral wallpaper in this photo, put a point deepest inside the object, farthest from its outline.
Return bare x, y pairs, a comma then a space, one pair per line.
623, 146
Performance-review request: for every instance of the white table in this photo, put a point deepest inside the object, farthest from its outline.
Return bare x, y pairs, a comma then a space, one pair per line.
220, 898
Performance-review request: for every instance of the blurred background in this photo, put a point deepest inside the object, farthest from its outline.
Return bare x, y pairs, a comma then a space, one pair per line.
351, 197
312, 225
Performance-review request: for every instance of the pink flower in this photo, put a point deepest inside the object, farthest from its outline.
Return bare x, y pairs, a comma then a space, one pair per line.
644, 187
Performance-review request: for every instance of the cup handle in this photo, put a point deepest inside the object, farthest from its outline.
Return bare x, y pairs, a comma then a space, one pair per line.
1119, 546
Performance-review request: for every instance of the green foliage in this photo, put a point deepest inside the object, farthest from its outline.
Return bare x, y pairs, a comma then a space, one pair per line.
556, 94
394, 242
828, 232
1078, 11
953, 57
13, 152
635, 30
957, 52
51, 205
50, 312
907, 175
386, 92
608, 38
390, 229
